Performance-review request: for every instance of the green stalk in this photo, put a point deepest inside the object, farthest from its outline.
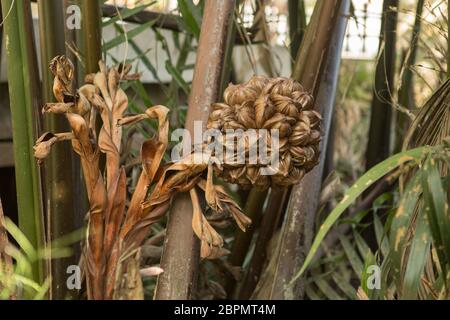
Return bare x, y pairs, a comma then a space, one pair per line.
181, 249
406, 92
316, 68
89, 41
378, 146
24, 94
51, 31
71, 36
91, 34
242, 240
62, 213
297, 24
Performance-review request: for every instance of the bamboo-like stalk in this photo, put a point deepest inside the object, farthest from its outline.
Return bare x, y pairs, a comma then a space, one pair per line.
62, 213
279, 195
24, 94
181, 250
73, 39
71, 36
242, 240
316, 68
297, 24
51, 34
406, 92
92, 34
378, 146
269, 223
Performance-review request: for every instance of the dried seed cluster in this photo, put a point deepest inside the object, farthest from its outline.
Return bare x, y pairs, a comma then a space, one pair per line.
269, 103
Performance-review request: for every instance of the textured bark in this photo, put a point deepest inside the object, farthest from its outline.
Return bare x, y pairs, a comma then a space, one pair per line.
92, 34
378, 147
269, 223
215, 36
62, 215
242, 240
317, 69
179, 277
297, 24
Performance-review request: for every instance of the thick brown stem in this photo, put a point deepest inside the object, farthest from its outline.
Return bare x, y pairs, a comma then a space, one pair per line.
321, 50
269, 223
242, 240
214, 38
378, 146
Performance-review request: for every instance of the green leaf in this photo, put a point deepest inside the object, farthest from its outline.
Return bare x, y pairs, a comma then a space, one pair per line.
361, 244
127, 12
121, 38
23, 265
380, 234
139, 88
311, 294
145, 60
42, 290
177, 77
436, 207
401, 222
21, 239
326, 289
369, 260
190, 13
386, 282
352, 255
354, 192
420, 248
344, 285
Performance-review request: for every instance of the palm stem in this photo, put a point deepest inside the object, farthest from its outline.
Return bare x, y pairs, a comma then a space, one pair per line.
23, 81
92, 34
316, 68
62, 213
297, 24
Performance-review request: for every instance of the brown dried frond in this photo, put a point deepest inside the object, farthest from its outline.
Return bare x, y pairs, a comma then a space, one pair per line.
268, 103
115, 234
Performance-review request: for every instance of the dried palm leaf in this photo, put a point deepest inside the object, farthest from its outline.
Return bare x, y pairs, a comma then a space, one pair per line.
115, 233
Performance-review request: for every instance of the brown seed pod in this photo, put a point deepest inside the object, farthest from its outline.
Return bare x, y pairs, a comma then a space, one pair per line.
281, 106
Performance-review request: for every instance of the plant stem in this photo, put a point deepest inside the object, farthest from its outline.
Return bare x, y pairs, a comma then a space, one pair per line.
23, 81
297, 24
317, 69
242, 240
63, 215
378, 146
181, 249
92, 34
406, 92
270, 219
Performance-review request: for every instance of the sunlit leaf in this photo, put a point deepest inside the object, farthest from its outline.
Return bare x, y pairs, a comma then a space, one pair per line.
355, 191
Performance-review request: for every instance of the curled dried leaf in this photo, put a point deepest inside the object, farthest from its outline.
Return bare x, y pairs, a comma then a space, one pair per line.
43, 145
211, 241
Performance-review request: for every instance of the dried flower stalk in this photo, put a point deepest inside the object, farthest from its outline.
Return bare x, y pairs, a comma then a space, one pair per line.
115, 232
